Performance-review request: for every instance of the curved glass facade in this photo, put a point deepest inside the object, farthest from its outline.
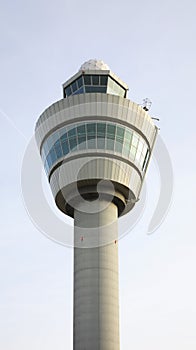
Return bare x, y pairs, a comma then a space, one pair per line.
94, 83
98, 136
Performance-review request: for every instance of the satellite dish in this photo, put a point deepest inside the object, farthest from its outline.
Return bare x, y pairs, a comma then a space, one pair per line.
146, 104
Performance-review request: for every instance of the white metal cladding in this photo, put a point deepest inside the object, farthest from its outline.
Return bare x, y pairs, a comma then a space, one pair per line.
96, 291
96, 168
95, 106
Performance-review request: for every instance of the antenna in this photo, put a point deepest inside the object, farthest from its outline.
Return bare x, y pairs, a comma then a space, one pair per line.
146, 104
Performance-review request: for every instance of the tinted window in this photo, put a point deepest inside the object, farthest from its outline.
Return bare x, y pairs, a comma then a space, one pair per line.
72, 132
65, 147
73, 143
95, 89
103, 80
68, 91
74, 86
110, 144
80, 91
92, 135
91, 128
58, 150
111, 129
87, 79
95, 79
101, 127
120, 132
80, 82
64, 137
81, 138
81, 130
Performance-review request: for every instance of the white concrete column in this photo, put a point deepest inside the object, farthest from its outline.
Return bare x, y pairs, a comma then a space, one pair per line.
96, 295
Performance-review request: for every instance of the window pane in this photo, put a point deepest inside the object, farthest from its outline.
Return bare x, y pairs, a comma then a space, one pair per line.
73, 143
62, 131
118, 147
80, 91
50, 142
92, 143
49, 161
82, 142
101, 143
74, 87
101, 89
114, 88
68, 91
128, 134
52, 156
65, 147
90, 136
95, 79
91, 128
111, 130
110, 83
43, 154
89, 89
122, 92
118, 90
126, 148
72, 132
135, 140
101, 128
81, 138
110, 144
63, 137
98, 89
46, 147
120, 132
87, 80
76, 82
104, 79
80, 82
57, 143
46, 167
58, 150
127, 144
81, 130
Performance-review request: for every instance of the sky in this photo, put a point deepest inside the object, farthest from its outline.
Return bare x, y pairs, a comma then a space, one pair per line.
151, 46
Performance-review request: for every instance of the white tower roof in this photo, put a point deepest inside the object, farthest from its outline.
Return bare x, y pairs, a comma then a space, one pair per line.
94, 64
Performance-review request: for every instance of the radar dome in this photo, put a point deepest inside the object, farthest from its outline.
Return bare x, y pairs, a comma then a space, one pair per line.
94, 65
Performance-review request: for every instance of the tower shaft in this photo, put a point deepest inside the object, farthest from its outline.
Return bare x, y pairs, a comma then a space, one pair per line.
96, 291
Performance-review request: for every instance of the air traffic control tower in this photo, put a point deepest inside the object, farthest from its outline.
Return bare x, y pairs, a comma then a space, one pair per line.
95, 145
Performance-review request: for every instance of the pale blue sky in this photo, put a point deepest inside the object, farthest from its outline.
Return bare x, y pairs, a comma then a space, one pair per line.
151, 46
